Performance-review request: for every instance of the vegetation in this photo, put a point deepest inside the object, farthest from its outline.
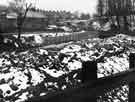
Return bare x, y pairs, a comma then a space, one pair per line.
20, 7
118, 12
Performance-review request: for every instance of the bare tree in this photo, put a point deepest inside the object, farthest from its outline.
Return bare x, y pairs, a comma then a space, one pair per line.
21, 8
120, 10
100, 8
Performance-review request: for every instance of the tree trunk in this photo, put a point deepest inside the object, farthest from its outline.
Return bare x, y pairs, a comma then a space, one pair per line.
19, 25
118, 22
126, 24
19, 35
19, 32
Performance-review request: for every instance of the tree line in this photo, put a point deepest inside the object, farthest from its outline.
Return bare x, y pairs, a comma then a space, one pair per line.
118, 12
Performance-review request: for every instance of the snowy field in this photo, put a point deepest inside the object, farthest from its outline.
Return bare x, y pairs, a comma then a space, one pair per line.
55, 38
39, 71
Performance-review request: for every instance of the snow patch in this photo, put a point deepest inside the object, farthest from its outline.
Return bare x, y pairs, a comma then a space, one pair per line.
54, 73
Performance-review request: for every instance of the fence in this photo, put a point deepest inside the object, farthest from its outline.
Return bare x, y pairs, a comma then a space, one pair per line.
92, 87
75, 36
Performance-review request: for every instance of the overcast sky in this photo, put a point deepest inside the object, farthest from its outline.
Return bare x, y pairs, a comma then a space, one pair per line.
87, 6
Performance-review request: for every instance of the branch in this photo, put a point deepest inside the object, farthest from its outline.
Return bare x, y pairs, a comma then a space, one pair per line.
26, 11
25, 14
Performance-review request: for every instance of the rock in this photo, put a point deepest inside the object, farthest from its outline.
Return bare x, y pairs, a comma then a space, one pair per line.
1, 93
2, 81
8, 91
14, 87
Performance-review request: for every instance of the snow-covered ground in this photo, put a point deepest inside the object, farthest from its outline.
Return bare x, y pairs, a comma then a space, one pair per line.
38, 72
48, 34
42, 38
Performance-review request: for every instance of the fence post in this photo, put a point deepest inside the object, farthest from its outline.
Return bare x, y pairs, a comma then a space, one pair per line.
131, 96
89, 73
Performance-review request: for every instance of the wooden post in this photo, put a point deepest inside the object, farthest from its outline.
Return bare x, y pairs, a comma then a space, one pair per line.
89, 71
131, 96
